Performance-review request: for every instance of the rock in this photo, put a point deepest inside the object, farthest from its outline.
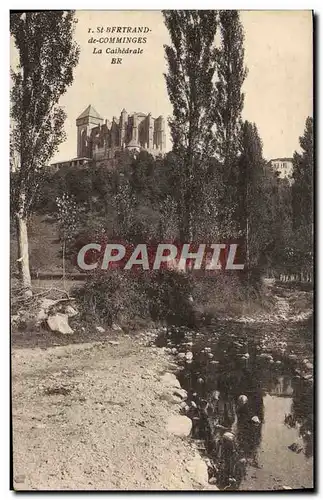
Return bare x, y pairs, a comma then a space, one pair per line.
171, 398
210, 355
114, 342
200, 380
207, 349
116, 328
100, 329
228, 436
189, 356
174, 350
214, 362
59, 323
44, 308
212, 480
287, 488
189, 361
71, 312
197, 468
170, 380
179, 425
14, 318
255, 420
181, 393
265, 355
309, 366
242, 400
246, 355
296, 447
181, 355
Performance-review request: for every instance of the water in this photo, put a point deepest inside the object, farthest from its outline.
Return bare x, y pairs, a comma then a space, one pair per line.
250, 396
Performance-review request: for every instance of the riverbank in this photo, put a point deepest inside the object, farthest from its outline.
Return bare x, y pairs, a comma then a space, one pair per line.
100, 416
250, 384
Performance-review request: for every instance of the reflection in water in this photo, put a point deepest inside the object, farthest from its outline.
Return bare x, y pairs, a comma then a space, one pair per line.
301, 415
227, 382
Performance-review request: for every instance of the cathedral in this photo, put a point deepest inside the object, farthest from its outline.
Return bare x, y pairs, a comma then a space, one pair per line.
100, 139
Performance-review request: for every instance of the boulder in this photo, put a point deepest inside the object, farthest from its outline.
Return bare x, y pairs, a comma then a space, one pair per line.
189, 356
100, 329
181, 355
59, 323
170, 380
242, 400
71, 312
181, 393
198, 470
44, 308
171, 398
179, 425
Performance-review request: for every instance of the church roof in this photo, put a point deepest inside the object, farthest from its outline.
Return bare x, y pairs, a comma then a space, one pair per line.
90, 111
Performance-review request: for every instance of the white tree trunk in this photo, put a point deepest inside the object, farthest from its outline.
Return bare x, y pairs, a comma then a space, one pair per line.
23, 254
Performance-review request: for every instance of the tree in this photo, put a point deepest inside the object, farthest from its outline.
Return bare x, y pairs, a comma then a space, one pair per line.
228, 100
191, 67
47, 56
251, 213
303, 164
302, 196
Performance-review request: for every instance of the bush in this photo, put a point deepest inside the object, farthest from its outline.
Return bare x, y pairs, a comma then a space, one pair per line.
169, 298
122, 296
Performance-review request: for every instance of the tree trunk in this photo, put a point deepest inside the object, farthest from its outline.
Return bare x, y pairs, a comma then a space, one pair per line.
23, 254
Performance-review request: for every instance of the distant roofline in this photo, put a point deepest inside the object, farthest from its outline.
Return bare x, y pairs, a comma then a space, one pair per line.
72, 159
281, 159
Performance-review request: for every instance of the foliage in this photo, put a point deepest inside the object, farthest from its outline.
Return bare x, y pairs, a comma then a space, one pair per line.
302, 198
47, 57
189, 81
118, 296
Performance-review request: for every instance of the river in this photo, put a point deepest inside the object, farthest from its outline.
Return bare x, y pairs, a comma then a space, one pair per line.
250, 395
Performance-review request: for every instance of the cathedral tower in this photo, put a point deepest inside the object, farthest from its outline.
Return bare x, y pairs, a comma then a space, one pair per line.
87, 120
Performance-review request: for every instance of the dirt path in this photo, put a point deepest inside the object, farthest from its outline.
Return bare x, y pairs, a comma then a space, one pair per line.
93, 417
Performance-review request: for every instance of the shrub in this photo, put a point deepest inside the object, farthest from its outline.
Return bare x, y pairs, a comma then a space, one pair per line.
122, 296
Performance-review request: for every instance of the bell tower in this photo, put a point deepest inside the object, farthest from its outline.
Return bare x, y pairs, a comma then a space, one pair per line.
87, 120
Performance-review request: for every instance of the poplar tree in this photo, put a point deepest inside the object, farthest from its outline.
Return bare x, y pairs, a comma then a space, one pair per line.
302, 198
191, 67
303, 166
47, 56
251, 210
228, 100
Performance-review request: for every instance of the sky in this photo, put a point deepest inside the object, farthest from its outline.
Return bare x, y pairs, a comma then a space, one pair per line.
278, 88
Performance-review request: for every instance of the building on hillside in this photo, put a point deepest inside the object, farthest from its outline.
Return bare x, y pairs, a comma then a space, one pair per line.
283, 167
98, 138
103, 140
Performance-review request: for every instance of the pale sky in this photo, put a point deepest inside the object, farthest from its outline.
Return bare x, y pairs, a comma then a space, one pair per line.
278, 89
